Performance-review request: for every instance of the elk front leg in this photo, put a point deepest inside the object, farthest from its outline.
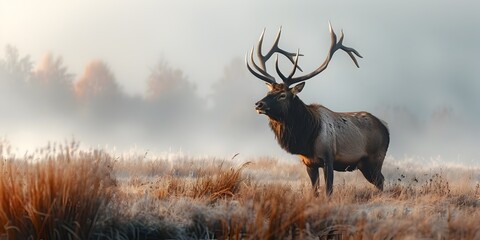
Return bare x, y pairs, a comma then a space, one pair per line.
313, 174
328, 175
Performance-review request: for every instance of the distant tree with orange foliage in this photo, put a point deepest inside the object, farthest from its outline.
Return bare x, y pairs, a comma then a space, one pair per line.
166, 82
96, 80
51, 85
51, 70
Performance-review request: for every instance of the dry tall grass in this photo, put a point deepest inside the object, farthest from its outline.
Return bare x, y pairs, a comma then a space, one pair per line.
63, 193
59, 196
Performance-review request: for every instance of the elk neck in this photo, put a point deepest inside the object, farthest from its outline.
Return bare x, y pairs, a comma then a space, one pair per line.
297, 130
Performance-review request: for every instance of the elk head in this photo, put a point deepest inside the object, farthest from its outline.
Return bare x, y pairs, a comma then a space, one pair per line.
281, 96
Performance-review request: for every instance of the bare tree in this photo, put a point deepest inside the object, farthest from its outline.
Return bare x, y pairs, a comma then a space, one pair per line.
14, 67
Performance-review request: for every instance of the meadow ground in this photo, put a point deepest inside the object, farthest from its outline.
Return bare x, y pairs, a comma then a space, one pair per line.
60, 192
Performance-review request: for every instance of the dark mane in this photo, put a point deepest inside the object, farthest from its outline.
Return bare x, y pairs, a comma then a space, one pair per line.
297, 131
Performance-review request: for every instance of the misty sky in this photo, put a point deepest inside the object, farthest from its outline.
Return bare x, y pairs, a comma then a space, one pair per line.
420, 62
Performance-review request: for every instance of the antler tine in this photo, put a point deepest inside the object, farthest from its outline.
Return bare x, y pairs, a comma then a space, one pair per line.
259, 51
295, 64
261, 67
278, 70
267, 78
350, 51
333, 48
287, 80
274, 49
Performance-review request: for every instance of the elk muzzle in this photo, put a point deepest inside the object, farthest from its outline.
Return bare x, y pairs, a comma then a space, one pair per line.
261, 107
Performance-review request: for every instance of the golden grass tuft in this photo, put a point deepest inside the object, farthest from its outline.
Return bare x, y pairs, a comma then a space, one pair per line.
212, 184
59, 197
225, 183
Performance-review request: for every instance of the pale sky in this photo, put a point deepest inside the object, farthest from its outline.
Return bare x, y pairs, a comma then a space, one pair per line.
201, 37
422, 55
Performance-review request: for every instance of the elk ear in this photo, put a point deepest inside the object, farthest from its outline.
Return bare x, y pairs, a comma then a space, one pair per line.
298, 88
269, 86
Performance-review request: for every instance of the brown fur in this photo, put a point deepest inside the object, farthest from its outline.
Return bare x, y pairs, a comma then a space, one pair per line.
298, 130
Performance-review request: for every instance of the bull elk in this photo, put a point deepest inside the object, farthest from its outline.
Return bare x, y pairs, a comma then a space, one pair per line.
340, 141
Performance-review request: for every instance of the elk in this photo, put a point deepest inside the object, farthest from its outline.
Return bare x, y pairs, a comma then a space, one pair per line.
322, 138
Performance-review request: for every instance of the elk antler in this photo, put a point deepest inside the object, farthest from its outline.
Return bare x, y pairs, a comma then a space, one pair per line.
333, 47
262, 70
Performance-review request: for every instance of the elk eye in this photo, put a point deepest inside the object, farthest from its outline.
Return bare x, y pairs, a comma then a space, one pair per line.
282, 96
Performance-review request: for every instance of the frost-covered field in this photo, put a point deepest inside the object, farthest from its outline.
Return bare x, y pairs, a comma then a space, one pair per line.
62, 192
